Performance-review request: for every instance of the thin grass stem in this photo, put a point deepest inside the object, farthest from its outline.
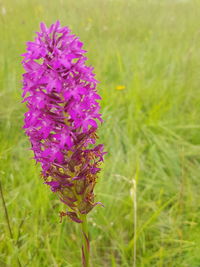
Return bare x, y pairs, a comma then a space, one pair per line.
6, 212
7, 218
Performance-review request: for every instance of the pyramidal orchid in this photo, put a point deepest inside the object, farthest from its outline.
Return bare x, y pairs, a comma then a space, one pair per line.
61, 122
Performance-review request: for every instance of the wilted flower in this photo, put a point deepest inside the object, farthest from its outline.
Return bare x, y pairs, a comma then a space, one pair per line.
61, 121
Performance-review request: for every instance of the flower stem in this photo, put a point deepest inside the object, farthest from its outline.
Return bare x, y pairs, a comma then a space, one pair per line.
86, 244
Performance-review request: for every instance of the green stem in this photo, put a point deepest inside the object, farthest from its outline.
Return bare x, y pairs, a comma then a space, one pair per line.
7, 219
86, 244
6, 212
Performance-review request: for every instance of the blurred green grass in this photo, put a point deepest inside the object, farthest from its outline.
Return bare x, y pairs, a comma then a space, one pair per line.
151, 133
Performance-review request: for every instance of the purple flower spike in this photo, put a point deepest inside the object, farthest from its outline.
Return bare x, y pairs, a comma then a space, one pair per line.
61, 121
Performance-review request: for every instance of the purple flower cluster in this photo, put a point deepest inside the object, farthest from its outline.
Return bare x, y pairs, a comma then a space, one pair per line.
61, 96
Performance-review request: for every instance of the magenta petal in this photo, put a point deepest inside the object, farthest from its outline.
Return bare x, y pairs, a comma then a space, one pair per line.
73, 217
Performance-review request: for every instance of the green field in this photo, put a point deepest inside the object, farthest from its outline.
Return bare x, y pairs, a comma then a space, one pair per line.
151, 50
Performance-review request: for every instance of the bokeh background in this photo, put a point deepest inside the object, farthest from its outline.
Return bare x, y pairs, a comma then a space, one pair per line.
146, 54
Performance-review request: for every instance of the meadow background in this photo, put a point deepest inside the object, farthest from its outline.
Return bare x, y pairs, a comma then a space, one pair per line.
147, 56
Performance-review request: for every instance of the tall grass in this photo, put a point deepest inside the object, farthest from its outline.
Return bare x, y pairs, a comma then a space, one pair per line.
151, 133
